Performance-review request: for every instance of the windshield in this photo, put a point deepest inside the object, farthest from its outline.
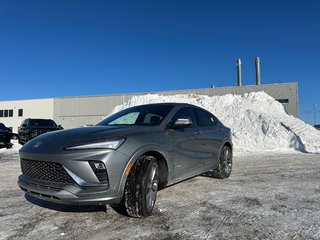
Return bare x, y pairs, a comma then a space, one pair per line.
149, 115
42, 123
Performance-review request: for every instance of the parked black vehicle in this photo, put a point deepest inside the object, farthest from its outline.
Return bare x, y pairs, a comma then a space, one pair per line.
31, 128
5, 136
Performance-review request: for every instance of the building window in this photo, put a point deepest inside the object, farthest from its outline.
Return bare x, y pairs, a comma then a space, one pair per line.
20, 113
283, 101
6, 113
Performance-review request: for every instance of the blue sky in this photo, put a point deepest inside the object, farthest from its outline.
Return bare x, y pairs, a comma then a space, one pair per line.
62, 48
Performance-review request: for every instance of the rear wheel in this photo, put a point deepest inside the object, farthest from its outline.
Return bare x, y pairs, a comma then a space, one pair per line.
224, 168
141, 188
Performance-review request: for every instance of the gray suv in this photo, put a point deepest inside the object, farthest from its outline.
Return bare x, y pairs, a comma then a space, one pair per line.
125, 159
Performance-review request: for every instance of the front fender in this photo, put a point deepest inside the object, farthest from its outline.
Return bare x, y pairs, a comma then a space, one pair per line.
141, 151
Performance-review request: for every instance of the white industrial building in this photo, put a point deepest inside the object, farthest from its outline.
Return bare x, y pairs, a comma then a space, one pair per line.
73, 112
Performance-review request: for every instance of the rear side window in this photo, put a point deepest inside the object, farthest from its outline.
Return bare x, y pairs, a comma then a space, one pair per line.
204, 119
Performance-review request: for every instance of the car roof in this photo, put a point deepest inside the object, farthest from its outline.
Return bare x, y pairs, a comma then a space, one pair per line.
168, 103
175, 105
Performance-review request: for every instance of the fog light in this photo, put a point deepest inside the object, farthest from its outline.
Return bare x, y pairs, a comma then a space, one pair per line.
99, 166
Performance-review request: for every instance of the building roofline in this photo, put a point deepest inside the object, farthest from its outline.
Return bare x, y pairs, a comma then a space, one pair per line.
144, 93
177, 90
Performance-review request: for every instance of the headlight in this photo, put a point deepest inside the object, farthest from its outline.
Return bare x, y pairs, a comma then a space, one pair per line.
109, 144
34, 133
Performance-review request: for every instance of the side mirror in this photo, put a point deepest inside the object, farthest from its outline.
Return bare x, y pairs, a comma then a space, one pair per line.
182, 123
59, 126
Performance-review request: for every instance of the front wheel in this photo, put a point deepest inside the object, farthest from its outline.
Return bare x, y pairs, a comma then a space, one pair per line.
224, 168
141, 188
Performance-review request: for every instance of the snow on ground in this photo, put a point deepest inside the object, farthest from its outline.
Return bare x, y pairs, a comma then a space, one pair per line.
15, 149
258, 122
275, 198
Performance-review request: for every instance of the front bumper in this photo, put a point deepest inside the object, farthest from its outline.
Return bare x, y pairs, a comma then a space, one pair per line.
85, 188
66, 194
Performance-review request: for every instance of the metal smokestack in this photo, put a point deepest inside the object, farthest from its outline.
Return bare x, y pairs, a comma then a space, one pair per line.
258, 80
239, 75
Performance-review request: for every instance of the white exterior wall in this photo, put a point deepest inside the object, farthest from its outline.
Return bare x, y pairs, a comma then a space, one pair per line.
38, 108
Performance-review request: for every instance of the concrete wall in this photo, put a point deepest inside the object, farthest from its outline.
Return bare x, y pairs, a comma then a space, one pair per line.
79, 111
39, 108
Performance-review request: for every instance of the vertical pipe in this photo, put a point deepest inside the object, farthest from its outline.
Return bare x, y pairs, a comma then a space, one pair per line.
258, 80
239, 75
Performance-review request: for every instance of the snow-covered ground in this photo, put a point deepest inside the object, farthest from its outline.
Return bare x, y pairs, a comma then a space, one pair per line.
15, 149
271, 196
258, 122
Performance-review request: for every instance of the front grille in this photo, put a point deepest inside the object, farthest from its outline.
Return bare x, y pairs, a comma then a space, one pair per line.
46, 171
2, 138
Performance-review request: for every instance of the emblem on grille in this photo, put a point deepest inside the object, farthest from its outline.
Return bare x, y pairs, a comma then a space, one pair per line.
37, 145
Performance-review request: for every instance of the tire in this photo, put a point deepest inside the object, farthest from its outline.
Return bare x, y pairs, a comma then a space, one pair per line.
141, 189
224, 168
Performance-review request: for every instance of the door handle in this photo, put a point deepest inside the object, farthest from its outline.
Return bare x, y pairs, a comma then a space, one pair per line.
197, 132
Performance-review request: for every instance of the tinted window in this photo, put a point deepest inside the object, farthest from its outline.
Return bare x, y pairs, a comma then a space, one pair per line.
2, 126
11, 113
204, 118
152, 114
42, 123
183, 113
20, 113
1, 113
6, 113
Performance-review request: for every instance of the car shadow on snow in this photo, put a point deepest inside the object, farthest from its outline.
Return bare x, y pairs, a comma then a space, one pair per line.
65, 208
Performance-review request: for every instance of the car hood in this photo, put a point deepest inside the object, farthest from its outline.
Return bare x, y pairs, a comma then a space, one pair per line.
56, 141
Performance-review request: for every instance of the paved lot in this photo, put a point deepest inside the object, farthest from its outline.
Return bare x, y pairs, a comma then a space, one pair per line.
267, 197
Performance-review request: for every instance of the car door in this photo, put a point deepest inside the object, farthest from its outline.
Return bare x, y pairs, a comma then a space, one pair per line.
212, 136
185, 145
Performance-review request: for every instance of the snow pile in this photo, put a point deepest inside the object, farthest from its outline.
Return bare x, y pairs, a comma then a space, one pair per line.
13, 150
258, 122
